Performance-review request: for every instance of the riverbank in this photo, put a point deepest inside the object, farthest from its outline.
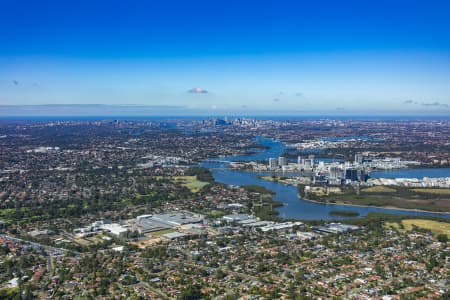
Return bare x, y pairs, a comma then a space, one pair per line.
376, 196
368, 206
344, 213
280, 179
294, 207
265, 210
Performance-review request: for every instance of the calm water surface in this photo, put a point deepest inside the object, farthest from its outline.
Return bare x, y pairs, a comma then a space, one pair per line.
412, 173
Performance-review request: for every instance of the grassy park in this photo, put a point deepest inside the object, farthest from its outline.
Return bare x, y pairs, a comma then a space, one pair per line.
436, 227
191, 182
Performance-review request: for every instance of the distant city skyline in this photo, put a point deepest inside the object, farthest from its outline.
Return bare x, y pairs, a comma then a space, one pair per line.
212, 58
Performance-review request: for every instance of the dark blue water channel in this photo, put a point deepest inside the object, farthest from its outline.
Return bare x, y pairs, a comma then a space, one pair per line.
294, 207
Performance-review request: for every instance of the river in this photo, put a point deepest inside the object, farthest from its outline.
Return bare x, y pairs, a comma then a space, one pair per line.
293, 207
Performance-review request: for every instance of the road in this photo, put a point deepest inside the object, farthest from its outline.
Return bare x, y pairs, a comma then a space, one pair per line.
151, 288
52, 250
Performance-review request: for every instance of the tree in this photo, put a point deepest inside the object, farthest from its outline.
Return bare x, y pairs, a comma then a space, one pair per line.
191, 292
443, 238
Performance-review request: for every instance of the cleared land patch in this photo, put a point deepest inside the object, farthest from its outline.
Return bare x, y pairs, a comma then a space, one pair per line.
379, 189
161, 232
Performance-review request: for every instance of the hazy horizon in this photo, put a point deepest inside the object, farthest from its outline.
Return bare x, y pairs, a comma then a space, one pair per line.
99, 111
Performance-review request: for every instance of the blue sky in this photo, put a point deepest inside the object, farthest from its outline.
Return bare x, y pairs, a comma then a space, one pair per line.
296, 57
